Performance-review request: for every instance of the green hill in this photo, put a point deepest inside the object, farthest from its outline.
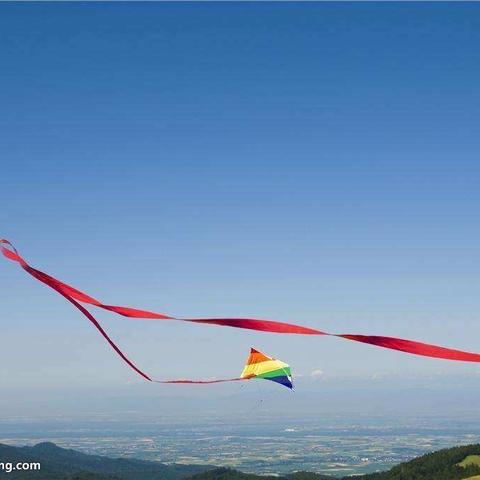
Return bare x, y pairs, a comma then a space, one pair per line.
458, 463
450, 464
470, 460
441, 465
63, 464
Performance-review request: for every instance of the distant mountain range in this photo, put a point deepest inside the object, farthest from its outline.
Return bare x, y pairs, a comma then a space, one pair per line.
62, 464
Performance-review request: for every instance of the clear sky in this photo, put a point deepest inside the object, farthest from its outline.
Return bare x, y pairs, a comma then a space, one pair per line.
315, 163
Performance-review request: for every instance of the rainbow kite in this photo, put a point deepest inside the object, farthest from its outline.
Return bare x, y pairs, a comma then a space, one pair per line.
79, 299
260, 365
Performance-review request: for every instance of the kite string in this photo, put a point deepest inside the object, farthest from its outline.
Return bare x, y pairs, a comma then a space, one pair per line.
75, 296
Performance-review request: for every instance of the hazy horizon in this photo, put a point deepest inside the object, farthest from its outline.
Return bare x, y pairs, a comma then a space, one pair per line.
312, 162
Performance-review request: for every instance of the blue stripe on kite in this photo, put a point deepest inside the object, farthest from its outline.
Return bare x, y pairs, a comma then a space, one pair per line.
282, 380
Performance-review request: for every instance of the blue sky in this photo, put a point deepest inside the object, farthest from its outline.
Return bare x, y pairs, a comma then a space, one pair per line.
315, 163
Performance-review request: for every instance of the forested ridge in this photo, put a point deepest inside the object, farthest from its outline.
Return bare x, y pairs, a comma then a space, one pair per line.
57, 463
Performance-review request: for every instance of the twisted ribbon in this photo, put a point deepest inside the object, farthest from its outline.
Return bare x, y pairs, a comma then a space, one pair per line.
77, 298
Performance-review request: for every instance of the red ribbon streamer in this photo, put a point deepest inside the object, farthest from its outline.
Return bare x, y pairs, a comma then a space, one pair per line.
76, 297
203, 382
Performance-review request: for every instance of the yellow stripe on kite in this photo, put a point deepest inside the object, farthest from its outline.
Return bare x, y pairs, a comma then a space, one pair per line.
262, 367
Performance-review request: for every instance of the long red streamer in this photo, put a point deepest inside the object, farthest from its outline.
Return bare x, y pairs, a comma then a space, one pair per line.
76, 297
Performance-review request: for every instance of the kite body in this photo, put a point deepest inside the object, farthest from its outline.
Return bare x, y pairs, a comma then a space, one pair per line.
260, 365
